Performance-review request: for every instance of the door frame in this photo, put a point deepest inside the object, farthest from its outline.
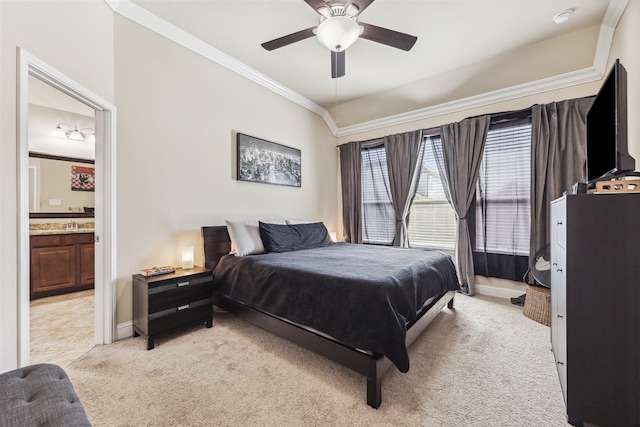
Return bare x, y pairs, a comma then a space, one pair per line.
105, 199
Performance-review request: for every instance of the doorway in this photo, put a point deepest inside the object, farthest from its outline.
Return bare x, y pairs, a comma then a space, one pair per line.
61, 225
105, 269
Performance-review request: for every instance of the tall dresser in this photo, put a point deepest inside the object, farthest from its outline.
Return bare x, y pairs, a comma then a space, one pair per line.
595, 306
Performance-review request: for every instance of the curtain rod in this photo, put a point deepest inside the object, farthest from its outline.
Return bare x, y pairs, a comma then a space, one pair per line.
364, 142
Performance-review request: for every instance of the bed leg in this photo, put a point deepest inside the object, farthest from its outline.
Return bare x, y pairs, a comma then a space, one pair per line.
374, 393
450, 303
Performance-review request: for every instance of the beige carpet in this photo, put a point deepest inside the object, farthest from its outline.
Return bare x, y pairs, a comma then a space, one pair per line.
61, 327
482, 364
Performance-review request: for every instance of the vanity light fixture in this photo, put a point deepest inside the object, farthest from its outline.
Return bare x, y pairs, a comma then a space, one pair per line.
74, 134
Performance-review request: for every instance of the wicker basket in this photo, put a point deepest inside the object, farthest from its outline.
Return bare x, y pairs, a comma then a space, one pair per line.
537, 305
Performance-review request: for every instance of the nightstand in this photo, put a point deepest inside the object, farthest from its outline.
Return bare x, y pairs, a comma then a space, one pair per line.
170, 302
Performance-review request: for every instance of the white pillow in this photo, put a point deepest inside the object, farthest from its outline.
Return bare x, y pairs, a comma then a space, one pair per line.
245, 236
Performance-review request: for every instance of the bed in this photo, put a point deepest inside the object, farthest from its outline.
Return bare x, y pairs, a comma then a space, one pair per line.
344, 310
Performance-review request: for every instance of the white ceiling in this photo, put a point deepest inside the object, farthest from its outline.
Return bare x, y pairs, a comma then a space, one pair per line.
452, 35
456, 41
43, 94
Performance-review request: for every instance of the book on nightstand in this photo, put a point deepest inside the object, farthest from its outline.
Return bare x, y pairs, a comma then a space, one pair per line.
156, 271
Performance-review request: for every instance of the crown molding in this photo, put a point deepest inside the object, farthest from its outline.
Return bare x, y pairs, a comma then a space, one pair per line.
612, 16
526, 89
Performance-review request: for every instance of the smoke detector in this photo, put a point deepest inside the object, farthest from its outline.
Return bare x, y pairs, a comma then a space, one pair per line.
563, 16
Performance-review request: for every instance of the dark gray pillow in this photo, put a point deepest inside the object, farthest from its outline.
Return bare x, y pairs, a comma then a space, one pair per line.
286, 238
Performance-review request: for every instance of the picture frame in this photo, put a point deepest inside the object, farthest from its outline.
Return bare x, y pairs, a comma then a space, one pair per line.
259, 160
82, 178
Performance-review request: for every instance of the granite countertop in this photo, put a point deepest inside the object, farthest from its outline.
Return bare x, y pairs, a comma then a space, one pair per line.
60, 231
60, 228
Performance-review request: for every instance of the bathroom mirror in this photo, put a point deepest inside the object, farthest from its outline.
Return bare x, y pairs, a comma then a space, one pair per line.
60, 187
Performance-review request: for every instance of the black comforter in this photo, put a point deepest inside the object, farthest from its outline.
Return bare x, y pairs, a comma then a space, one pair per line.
361, 295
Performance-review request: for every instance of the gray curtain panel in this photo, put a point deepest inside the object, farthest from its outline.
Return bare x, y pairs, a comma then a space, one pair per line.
404, 161
558, 160
351, 177
462, 148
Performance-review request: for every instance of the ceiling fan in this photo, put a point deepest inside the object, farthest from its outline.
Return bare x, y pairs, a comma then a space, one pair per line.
339, 28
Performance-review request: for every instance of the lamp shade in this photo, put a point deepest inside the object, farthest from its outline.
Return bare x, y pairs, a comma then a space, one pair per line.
59, 132
75, 135
187, 257
338, 32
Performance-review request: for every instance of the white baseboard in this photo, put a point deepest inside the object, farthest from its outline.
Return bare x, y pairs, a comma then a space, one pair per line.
498, 291
124, 330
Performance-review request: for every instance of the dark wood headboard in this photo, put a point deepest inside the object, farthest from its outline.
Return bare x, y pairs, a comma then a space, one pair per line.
217, 244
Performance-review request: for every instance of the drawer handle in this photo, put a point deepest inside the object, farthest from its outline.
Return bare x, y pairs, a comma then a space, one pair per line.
560, 316
183, 307
560, 363
559, 270
559, 223
180, 284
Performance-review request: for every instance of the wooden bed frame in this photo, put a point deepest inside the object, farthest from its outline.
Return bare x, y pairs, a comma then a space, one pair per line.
217, 244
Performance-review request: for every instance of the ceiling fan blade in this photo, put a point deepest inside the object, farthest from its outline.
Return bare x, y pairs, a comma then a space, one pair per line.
388, 37
360, 4
317, 4
288, 39
337, 64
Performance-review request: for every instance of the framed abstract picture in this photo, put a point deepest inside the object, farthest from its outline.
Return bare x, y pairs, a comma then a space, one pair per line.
263, 161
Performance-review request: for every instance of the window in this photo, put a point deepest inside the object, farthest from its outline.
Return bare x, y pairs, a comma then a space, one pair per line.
432, 220
503, 213
378, 215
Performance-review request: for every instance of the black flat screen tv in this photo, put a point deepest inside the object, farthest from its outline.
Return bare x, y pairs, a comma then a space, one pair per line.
607, 148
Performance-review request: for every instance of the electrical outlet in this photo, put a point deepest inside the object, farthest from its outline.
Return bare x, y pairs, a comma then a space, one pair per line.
55, 202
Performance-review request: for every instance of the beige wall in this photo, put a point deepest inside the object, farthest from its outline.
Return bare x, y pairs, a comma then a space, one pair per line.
177, 115
76, 38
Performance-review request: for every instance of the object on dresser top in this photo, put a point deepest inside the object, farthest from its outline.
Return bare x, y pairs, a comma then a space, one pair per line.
156, 271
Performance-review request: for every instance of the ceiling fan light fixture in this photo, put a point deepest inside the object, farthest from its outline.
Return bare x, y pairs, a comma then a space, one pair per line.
352, 10
338, 33
325, 11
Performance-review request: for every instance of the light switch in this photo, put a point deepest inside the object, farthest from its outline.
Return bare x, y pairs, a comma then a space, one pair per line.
55, 202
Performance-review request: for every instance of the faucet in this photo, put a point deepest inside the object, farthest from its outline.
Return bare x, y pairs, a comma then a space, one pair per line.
72, 225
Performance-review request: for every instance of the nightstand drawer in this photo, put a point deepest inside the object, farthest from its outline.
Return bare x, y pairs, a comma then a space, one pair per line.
166, 321
175, 295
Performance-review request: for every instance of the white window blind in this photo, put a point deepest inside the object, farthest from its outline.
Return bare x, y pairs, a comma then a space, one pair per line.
378, 216
432, 221
503, 191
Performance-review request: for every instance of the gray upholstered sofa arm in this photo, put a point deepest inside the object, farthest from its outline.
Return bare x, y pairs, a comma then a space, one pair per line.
39, 395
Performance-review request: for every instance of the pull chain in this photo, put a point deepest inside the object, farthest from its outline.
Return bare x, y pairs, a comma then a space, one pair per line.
336, 102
